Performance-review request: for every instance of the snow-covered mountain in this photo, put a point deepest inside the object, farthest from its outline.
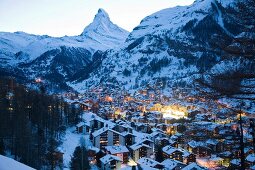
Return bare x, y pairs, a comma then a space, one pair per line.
179, 46
104, 31
44, 56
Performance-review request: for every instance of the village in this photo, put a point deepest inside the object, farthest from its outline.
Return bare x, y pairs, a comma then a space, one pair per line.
151, 131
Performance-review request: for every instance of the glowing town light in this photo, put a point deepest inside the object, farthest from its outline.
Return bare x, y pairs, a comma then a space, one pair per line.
170, 113
38, 80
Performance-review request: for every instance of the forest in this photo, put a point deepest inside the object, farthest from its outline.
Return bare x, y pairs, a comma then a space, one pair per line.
32, 123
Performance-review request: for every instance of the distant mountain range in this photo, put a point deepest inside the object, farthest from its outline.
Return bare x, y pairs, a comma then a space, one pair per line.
56, 60
206, 46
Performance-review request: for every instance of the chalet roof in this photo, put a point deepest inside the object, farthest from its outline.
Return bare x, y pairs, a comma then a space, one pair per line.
100, 131
139, 145
195, 144
212, 142
171, 163
80, 124
126, 133
235, 161
117, 149
250, 158
169, 149
148, 162
108, 158
185, 152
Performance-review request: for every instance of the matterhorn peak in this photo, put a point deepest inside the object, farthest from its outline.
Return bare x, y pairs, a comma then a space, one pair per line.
102, 13
102, 27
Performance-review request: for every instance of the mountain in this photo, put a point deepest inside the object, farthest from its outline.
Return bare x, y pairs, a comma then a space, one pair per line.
104, 31
57, 58
186, 47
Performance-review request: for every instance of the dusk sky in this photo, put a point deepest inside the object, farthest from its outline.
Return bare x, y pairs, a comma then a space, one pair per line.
69, 17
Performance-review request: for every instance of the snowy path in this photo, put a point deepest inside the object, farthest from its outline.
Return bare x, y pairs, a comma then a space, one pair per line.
70, 142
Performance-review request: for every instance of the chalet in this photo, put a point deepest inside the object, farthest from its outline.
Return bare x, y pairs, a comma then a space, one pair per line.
113, 137
162, 141
121, 151
172, 153
126, 139
93, 121
80, 127
188, 157
147, 163
92, 151
173, 143
100, 138
139, 150
110, 162
142, 127
105, 137
199, 148
123, 127
179, 138
215, 145
235, 164
157, 134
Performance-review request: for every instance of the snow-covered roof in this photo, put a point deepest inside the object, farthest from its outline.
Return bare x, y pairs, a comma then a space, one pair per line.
212, 142
125, 133
171, 163
138, 145
169, 149
148, 162
108, 158
250, 158
9, 164
195, 144
100, 131
80, 124
235, 161
117, 149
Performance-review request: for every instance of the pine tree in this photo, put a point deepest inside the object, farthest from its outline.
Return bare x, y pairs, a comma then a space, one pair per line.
79, 160
1, 147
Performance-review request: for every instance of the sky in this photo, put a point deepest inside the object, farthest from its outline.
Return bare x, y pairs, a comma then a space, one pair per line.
69, 17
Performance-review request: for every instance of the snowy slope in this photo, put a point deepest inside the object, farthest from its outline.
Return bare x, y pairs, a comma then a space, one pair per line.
8, 164
176, 47
58, 59
91, 39
102, 30
172, 19
162, 35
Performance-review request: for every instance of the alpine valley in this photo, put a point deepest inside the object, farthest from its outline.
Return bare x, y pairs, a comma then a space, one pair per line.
178, 46
177, 92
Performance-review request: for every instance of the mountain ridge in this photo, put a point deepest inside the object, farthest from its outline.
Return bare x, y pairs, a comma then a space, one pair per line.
178, 46
44, 56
